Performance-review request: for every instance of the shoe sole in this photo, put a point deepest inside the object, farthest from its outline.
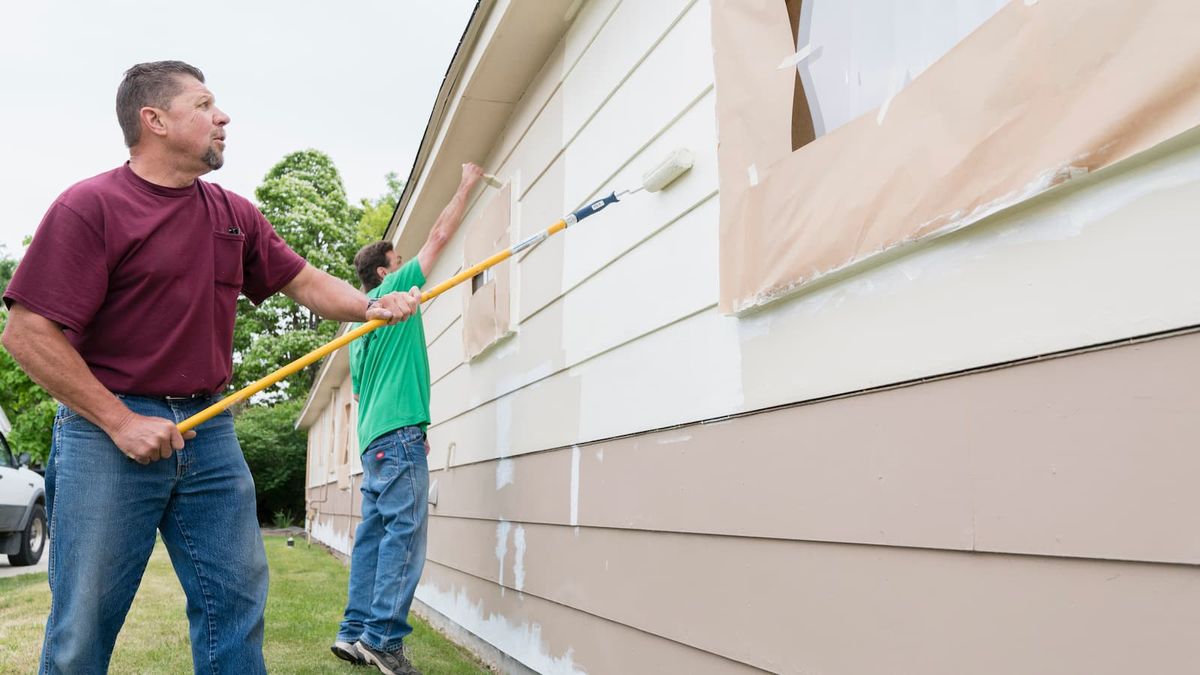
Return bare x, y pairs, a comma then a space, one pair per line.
372, 661
346, 655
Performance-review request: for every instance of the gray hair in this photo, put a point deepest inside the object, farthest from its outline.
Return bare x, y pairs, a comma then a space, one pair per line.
149, 84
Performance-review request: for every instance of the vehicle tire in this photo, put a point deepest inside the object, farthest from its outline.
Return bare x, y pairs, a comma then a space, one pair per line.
33, 539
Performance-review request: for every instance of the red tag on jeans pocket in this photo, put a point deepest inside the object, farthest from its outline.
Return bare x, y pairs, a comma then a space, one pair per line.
379, 455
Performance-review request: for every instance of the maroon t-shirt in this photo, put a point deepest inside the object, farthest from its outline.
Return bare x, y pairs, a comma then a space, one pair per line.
145, 279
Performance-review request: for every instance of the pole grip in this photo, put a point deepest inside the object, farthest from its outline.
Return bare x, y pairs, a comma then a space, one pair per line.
595, 207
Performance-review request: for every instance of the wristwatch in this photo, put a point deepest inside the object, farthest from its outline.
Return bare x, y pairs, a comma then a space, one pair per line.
371, 302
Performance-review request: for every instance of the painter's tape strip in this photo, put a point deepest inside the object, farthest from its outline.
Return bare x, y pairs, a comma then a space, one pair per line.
792, 60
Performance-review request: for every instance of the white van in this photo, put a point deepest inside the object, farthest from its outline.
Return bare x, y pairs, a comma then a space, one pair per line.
23, 530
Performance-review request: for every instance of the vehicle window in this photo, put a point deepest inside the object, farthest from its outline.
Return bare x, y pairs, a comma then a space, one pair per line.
6, 458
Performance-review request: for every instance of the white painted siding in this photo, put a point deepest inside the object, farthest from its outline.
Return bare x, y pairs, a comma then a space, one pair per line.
625, 302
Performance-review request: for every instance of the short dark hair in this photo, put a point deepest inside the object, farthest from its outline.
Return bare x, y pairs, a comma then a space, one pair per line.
149, 84
368, 258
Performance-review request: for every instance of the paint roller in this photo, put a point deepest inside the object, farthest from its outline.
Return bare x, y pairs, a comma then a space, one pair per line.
654, 180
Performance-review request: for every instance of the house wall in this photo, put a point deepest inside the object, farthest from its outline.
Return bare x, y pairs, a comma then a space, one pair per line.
972, 458
334, 472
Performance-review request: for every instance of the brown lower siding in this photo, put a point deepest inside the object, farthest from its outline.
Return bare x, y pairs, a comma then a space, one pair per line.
806, 607
589, 643
334, 513
707, 537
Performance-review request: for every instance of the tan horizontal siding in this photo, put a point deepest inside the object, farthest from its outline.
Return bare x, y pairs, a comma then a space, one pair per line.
1089, 455
802, 607
552, 638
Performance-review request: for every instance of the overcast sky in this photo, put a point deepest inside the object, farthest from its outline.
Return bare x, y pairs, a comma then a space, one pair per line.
354, 79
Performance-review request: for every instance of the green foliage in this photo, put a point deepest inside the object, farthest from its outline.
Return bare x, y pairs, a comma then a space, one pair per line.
303, 198
28, 406
377, 213
8, 265
277, 453
282, 520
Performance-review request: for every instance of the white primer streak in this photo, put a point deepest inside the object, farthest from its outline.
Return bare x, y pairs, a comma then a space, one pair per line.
574, 485
324, 532
504, 473
521, 641
502, 529
519, 558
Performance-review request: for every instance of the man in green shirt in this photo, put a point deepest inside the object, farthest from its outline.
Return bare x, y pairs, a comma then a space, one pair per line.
389, 371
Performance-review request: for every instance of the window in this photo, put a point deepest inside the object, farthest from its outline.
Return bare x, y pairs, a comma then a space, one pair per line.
482, 279
6, 458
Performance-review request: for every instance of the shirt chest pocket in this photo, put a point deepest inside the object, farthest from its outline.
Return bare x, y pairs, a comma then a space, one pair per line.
227, 258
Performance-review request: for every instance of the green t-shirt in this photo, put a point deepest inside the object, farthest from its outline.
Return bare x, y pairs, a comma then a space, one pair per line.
389, 368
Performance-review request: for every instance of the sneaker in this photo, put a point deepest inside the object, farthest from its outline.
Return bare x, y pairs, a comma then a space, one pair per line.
387, 663
348, 652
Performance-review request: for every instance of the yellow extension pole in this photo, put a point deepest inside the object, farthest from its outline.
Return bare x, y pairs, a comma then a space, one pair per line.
320, 352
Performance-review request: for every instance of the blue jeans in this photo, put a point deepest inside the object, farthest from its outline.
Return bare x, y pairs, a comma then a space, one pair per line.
104, 509
389, 545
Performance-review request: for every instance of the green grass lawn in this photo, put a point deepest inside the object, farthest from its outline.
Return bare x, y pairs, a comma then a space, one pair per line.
308, 593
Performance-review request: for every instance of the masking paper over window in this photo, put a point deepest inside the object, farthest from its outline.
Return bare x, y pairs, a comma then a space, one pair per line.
837, 145
486, 313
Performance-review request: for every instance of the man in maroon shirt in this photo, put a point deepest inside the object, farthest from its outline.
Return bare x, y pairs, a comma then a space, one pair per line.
123, 309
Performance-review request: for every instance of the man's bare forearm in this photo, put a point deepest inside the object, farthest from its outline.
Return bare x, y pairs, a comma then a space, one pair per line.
43, 352
449, 220
327, 296
332, 298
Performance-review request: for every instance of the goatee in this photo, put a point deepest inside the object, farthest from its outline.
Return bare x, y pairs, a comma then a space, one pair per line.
213, 159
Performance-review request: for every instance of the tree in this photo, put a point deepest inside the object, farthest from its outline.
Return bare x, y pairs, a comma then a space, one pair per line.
8, 265
30, 409
377, 213
304, 199
276, 453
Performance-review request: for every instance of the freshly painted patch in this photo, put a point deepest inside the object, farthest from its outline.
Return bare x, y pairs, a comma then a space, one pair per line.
522, 641
504, 473
519, 558
324, 531
502, 529
575, 485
